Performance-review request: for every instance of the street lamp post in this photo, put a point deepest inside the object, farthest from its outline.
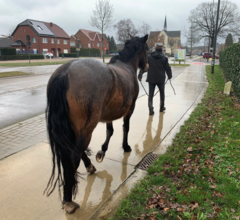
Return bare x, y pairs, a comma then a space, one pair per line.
215, 39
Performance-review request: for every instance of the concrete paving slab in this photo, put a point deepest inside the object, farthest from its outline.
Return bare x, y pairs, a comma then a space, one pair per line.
24, 176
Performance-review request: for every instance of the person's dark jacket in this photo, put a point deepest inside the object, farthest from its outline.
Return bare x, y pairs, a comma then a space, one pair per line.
158, 65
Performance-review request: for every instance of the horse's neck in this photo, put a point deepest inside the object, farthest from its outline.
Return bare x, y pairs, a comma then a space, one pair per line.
134, 62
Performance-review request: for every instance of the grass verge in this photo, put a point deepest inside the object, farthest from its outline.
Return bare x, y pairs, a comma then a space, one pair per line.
198, 177
31, 64
179, 64
13, 73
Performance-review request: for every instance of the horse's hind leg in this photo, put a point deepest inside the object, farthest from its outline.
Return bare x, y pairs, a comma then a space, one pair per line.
126, 120
100, 155
87, 162
70, 166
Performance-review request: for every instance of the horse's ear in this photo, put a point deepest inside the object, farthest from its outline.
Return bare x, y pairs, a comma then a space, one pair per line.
145, 38
130, 36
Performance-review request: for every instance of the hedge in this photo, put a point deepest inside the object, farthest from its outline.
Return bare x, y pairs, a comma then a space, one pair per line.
92, 52
22, 57
230, 63
8, 51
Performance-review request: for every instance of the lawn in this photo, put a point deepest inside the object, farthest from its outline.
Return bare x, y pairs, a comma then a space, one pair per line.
13, 73
199, 176
31, 64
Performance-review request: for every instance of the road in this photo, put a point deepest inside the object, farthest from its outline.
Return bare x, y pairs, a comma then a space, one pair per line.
25, 97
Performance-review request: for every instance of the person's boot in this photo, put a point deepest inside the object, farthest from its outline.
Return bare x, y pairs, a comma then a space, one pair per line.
151, 112
162, 109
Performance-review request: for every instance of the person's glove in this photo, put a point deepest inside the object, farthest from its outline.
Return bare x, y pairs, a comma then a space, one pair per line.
169, 78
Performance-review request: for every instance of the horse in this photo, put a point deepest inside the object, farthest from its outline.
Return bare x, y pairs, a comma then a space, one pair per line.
80, 94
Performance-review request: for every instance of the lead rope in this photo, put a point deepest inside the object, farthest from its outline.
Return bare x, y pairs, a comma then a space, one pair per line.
158, 90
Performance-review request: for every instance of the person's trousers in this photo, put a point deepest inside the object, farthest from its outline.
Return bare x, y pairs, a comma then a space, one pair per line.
161, 88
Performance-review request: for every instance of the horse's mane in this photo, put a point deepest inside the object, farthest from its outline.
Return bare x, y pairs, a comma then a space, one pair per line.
130, 48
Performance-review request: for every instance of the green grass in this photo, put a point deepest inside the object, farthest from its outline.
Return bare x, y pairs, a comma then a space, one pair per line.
31, 64
199, 176
179, 64
13, 73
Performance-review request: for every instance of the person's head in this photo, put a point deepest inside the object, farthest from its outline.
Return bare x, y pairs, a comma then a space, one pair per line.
159, 47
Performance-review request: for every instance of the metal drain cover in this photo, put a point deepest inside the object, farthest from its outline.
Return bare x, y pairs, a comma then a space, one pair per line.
147, 161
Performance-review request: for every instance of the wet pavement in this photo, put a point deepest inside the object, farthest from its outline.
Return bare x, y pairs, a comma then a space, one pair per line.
24, 175
25, 97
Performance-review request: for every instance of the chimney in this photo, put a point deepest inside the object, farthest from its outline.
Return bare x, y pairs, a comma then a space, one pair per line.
51, 24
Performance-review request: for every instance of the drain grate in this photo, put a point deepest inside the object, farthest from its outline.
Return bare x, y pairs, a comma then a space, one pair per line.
147, 161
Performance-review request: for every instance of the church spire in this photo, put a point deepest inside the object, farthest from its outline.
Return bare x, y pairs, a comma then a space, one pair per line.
165, 24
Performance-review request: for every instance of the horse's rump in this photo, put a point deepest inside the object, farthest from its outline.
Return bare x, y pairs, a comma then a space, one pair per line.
95, 89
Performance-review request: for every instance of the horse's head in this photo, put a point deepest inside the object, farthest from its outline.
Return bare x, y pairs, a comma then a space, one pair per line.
143, 53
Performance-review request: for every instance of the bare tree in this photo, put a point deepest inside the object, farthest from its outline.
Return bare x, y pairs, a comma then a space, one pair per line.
203, 19
102, 18
144, 29
191, 37
124, 28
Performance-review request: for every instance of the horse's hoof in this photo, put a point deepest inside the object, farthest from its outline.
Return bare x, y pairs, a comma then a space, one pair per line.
70, 207
91, 169
100, 155
127, 148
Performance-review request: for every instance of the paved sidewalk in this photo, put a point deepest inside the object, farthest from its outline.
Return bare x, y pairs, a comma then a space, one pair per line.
22, 135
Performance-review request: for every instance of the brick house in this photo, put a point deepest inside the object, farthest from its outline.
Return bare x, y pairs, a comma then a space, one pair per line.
45, 37
89, 39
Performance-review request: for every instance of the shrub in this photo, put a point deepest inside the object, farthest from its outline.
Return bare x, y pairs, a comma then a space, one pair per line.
68, 54
92, 52
230, 64
8, 51
21, 57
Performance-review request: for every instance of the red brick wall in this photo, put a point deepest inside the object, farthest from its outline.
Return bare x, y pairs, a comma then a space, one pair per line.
22, 32
84, 40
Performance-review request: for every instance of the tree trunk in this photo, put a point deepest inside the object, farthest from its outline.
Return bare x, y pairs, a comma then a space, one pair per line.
102, 47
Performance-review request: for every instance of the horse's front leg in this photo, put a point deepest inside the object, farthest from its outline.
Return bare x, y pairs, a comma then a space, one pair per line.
126, 120
100, 155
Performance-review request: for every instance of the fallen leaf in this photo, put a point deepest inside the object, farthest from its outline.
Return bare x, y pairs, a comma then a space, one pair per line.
156, 174
233, 210
194, 206
213, 187
189, 149
165, 209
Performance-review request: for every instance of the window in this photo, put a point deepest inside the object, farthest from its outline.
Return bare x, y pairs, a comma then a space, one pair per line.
175, 41
34, 40
44, 40
93, 44
65, 42
39, 28
72, 43
97, 44
45, 50
103, 44
52, 41
65, 51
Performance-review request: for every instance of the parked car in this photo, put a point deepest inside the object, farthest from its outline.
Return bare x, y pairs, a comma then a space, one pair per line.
47, 54
209, 55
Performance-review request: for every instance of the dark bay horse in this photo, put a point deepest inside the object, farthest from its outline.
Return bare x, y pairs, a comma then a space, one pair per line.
80, 94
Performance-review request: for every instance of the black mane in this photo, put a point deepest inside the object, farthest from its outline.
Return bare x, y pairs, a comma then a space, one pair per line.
130, 48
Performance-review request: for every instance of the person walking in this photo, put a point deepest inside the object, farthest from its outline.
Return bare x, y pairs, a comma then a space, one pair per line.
158, 67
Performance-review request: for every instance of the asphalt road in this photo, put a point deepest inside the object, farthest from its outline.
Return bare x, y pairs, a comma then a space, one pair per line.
25, 97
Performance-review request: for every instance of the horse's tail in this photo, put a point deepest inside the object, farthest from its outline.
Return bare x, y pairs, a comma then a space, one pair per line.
61, 135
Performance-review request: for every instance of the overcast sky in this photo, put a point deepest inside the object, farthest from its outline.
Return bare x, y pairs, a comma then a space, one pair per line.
72, 15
